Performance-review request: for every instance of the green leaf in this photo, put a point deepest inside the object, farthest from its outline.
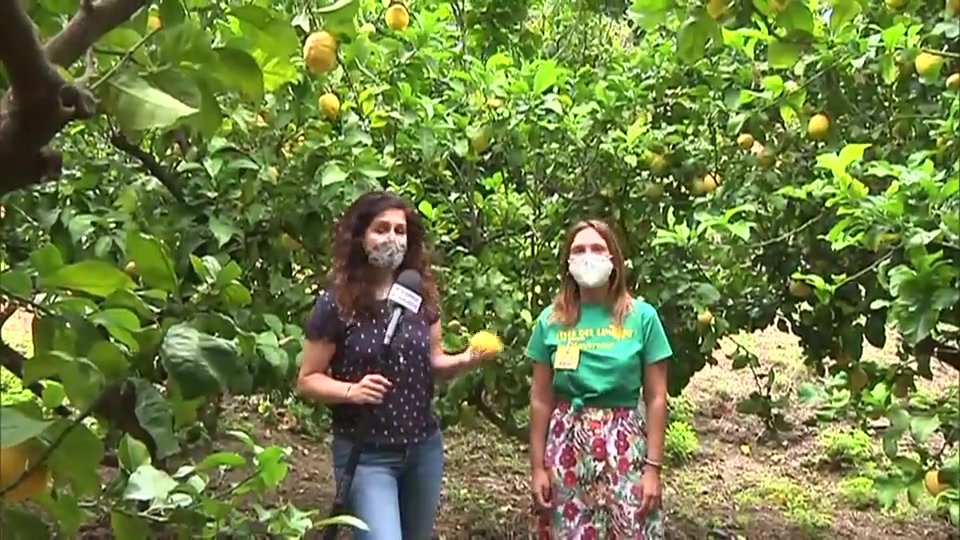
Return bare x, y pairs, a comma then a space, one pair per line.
148, 484
22, 523
338, 17
16, 427
46, 259
171, 13
843, 12
796, 16
128, 527
223, 232
154, 264
783, 55
200, 364
922, 427
155, 415
110, 360
332, 174
235, 67
78, 457
692, 40
888, 490
139, 106
96, 278
16, 282
132, 453
546, 76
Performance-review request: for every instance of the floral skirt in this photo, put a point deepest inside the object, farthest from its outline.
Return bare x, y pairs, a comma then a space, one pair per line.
595, 458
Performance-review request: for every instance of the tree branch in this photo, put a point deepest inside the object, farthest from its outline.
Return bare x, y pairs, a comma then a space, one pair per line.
150, 163
39, 102
92, 21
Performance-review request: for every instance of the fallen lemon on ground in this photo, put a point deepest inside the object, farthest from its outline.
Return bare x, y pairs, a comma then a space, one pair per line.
13, 462
486, 342
329, 105
320, 52
397, 17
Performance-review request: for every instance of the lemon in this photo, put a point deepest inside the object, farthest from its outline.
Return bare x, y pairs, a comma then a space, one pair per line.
932, 481
486, 342
13, 462
329, 105
705, 317
397, 17
953, 82
927, 63
320, 52
818, 126
745, 141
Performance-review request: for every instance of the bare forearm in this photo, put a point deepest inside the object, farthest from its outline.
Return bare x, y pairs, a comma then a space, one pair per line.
540, 411
656, 426
324, 388
448, 366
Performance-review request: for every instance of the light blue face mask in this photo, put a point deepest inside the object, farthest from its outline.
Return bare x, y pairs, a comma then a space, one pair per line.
590, 269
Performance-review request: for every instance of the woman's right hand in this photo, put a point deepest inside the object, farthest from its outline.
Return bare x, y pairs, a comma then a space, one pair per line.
369, 391
540, 485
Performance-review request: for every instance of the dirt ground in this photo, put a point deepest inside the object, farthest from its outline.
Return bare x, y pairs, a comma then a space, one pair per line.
737, 485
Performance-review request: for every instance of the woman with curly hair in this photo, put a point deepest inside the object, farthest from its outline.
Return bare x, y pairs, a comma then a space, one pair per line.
396, 487
595, 461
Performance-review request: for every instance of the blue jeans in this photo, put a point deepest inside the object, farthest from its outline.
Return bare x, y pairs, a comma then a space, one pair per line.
396, 493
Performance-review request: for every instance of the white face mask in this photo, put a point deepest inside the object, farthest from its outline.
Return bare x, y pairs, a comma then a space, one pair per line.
591, 270
388, 254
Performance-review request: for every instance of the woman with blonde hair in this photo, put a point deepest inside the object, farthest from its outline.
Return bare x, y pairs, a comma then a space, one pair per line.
595, 461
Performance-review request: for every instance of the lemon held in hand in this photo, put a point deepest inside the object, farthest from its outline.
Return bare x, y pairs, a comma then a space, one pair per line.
486, 343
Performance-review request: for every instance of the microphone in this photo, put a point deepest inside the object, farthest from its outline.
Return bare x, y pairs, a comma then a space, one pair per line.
404, 294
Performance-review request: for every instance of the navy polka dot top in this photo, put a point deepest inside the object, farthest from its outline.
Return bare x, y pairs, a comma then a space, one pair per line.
406, 415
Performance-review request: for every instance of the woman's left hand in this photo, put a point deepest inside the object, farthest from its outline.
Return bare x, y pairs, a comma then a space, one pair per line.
649, 490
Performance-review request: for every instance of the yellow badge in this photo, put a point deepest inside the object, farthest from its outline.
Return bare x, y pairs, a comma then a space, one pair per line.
567, 357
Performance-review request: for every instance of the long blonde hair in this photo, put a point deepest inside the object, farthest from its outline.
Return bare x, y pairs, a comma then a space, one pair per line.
566, 304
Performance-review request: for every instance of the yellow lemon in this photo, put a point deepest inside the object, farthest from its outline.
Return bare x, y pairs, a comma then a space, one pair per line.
13, 462
745, 141
330, 105
926, 63
710, 183
953, 82
486, 342
932, 481
818, 126
705, 317
320, 52
397, 17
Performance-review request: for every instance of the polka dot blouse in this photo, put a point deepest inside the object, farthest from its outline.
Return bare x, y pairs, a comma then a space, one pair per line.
406, 415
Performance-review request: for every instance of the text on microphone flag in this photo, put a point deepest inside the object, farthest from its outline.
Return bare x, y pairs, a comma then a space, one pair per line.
405, 298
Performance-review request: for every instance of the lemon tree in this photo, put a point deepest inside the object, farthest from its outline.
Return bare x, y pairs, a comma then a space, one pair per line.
172, 170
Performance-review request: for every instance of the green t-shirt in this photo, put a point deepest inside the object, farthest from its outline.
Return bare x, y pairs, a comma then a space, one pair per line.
610, 368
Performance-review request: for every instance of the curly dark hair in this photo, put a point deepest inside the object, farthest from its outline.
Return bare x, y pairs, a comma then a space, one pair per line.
353, 275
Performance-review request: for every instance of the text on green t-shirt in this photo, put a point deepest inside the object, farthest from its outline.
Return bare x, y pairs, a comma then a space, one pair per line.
611, 359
